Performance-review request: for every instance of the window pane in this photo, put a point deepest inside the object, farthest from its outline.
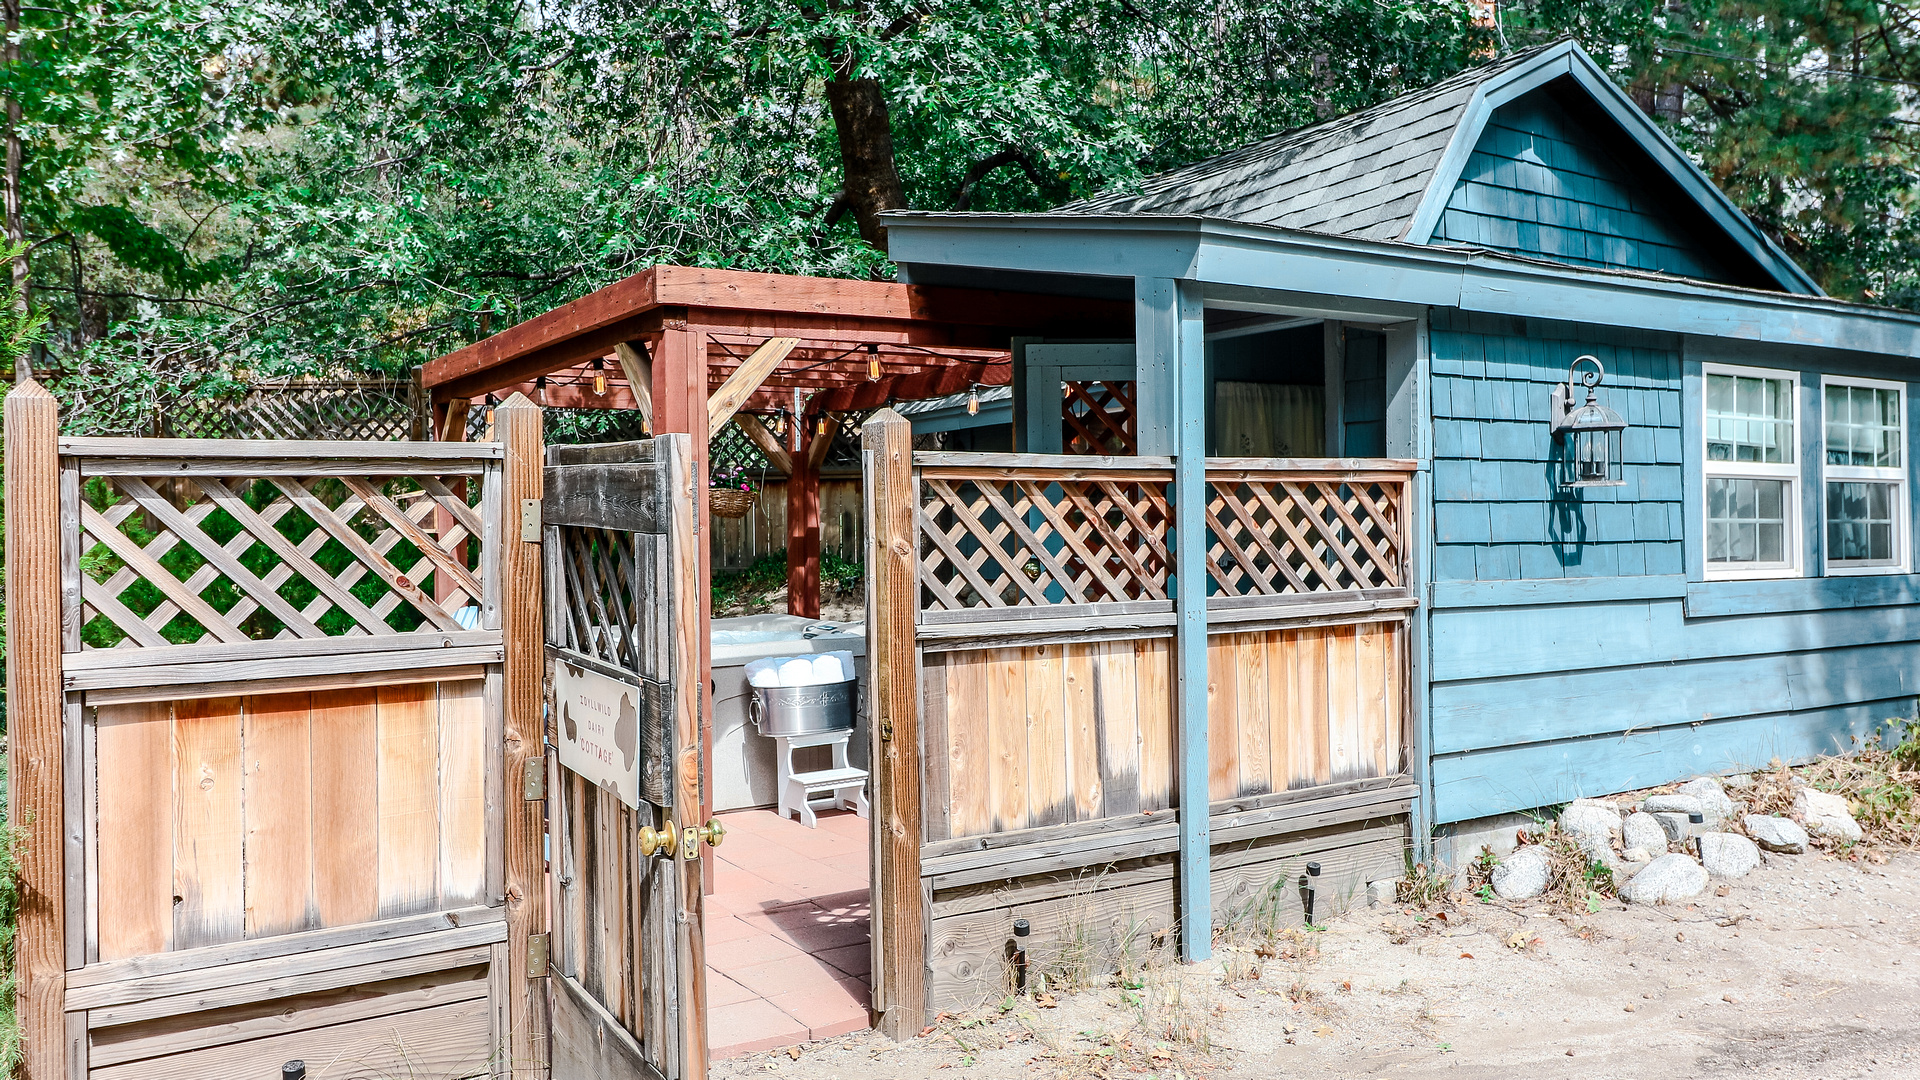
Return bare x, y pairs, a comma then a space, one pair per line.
1860, 523
1746, 521
1864, 426
1749, 419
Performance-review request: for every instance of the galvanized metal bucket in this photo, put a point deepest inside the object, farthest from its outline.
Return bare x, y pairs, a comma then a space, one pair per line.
784, 711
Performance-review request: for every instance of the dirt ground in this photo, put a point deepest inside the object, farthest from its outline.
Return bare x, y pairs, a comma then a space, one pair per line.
1805, 968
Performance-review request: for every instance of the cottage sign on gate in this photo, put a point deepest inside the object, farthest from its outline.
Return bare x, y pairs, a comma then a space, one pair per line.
599, 726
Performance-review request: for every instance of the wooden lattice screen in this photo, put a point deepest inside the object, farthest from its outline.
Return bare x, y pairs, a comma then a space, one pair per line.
179, 550
1273, 533
1101, 418
348, 409
1000, 538
1030, 531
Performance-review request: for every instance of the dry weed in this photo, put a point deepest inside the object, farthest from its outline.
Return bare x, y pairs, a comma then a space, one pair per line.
1880, 781
1426, 886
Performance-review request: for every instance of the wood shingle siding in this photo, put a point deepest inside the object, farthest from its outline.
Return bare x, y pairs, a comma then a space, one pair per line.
1539, 182
1570, 655
1497, 512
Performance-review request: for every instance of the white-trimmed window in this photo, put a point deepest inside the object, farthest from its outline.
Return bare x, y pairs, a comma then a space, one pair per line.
1751, 473
1866, 492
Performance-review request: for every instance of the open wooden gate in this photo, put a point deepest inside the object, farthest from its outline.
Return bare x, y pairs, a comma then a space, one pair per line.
622, 591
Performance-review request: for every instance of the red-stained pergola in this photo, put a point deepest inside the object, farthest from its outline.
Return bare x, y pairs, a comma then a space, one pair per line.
672, 341
681, 337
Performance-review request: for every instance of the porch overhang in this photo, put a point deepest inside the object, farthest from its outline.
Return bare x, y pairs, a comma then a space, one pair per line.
1263, 267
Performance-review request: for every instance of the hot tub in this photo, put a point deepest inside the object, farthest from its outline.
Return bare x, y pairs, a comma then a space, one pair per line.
743, 767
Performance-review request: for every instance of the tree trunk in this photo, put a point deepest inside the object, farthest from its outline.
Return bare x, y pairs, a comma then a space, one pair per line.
871, 181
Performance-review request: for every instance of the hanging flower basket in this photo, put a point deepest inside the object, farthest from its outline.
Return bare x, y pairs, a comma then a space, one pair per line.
730, 502
730, 492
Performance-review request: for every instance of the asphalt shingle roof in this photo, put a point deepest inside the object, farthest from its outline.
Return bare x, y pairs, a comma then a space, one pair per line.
1358, 175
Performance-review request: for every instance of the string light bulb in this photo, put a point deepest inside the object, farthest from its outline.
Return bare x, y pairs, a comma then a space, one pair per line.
491, 402
973, 400
873, 362
821, 427
600, 376
540, 389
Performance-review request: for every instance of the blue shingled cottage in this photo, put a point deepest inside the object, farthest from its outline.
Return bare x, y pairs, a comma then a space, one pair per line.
1414, 281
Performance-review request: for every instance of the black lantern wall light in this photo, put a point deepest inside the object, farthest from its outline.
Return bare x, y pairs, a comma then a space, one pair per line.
1589, 434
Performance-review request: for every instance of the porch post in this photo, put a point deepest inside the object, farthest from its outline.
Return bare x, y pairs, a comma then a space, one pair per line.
1170, 368
803, 523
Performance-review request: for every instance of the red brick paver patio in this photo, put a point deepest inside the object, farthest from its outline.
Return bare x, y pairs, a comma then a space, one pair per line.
787, 949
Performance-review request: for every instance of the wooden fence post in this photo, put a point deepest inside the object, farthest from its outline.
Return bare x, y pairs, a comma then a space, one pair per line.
522, 625
893, 700
35, 799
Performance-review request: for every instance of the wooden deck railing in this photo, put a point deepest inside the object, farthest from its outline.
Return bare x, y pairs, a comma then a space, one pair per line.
1010, 544
1033, 599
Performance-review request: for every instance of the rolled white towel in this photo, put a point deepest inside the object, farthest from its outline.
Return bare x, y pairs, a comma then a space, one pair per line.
826, 669
766, 676
845, 660
796, 671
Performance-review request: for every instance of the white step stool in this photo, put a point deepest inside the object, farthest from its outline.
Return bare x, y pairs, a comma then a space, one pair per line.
803, 793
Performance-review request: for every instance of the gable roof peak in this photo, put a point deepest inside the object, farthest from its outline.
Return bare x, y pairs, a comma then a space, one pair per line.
1387, 172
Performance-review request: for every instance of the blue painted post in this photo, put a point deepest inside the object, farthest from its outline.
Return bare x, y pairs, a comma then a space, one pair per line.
1170, 336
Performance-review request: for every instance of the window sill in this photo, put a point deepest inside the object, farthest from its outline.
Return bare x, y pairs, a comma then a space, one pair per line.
1712, 599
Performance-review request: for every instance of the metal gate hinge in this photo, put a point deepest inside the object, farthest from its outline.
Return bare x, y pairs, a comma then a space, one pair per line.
536, 956
886, 729
533, 782
530, 520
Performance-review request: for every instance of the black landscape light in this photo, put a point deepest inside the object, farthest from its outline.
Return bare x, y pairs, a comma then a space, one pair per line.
1021, 928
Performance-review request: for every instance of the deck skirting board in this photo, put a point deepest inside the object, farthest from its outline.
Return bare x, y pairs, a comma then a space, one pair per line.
1126, 904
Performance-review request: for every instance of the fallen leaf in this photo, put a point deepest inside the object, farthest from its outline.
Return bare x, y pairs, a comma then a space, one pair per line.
1723, 890
1045, 1000
1323, 1031
1347, 985
793, 1052
1517, 939
1728, 998
1466, 956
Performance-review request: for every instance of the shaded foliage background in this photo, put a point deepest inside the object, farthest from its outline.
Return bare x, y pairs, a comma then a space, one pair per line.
218, 191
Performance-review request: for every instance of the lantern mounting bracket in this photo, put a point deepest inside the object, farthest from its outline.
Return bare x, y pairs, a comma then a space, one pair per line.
1589, 432
1565, 394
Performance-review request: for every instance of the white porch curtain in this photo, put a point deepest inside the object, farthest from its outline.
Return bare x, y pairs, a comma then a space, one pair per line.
1269, 420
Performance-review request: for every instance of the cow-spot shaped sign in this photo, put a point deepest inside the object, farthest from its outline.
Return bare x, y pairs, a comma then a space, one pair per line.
599, 729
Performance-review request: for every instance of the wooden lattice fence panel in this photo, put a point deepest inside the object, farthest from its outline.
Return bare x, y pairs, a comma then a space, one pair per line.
357, 410
1272, 534
177, 554
1101, 418
1038, 538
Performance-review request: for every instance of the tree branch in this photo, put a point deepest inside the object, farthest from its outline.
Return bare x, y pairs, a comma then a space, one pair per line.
963, 197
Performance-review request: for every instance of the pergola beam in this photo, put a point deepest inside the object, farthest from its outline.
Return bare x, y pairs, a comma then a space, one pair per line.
745, 380
776, 454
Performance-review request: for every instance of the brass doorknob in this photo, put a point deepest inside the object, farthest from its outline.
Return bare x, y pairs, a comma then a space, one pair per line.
713, 833
658, 840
